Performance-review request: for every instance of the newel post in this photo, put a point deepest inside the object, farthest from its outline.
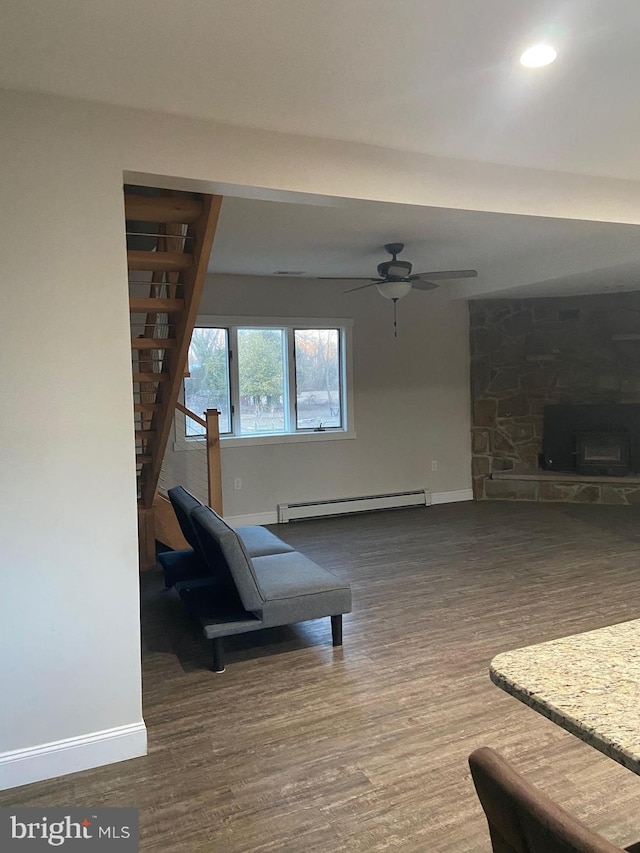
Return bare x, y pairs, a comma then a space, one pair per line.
214, 468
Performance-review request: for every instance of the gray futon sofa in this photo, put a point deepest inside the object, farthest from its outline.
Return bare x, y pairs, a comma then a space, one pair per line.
235, 581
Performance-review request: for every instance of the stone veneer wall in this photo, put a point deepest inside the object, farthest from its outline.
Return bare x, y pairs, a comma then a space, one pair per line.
530, 353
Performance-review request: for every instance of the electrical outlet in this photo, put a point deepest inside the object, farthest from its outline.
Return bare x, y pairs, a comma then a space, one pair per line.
434, 465
237, 483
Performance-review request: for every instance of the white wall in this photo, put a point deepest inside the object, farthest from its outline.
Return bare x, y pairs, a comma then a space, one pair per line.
411, 400
70, 663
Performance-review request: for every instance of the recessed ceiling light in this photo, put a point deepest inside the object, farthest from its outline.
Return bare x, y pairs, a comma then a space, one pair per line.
538, 55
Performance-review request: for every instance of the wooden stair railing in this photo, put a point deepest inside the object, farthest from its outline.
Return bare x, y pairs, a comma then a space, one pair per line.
211, 423
170, 236
160, 522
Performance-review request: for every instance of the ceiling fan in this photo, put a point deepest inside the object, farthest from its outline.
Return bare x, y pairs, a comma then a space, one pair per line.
395, 278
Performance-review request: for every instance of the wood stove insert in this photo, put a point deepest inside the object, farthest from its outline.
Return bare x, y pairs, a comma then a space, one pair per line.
602, 453
611, 432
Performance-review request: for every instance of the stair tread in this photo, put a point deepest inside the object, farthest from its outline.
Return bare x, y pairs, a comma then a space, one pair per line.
155, 304
180, 209
153, 343
150, 377
158, 261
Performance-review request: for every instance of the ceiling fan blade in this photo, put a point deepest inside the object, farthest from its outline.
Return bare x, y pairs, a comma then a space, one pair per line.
362, 286
443, 275
345, 278
424, 285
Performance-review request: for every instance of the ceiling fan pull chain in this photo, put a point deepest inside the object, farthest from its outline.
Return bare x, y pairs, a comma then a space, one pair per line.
395, 318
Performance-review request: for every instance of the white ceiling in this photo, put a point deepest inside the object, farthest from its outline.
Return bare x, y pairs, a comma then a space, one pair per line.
436, 76
515, 255
433, 76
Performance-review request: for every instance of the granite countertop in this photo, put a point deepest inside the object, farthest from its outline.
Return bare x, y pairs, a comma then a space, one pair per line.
587, 683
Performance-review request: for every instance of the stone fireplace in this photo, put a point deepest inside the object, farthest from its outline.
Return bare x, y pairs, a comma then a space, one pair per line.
555, 386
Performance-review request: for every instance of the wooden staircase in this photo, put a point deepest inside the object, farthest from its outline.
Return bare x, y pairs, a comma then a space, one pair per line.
169, 240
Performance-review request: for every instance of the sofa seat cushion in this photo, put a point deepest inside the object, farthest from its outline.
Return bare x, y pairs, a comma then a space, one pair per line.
260, 542
295, 589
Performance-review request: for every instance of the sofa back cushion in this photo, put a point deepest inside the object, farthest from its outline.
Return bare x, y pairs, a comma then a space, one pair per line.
225, 552
183, 502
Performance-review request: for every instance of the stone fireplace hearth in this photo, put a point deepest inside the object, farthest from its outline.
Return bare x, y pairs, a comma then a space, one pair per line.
532, 357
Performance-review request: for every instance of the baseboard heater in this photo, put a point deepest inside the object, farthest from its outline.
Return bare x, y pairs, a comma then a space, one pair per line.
345, 506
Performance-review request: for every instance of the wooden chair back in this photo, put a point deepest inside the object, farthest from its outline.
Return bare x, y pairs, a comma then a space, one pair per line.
523, 819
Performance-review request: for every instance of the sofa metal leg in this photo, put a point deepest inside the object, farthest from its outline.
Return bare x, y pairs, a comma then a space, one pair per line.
218, 655
336, 629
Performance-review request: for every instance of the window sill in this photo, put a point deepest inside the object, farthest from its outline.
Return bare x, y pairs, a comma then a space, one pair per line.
275, 438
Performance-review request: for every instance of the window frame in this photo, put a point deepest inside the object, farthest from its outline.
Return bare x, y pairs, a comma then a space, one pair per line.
295, 434
228, 377
293, 378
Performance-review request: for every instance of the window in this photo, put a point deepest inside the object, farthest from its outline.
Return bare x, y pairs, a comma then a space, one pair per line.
318, 385
208, 384
261, 387
285, 378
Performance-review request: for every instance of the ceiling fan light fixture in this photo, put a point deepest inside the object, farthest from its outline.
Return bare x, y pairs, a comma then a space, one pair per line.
394, 289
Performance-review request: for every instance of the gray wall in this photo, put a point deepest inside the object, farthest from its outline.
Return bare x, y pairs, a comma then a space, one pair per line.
410, 400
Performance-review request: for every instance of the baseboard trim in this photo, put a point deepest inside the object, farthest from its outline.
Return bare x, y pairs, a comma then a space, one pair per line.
272, 517
452, 497
60, 757
253, 518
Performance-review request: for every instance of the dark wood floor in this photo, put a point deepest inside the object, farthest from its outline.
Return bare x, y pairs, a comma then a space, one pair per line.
304, 748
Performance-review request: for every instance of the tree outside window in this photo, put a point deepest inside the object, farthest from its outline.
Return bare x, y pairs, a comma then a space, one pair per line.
318, 398
266, 380
261, 380
207, 386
